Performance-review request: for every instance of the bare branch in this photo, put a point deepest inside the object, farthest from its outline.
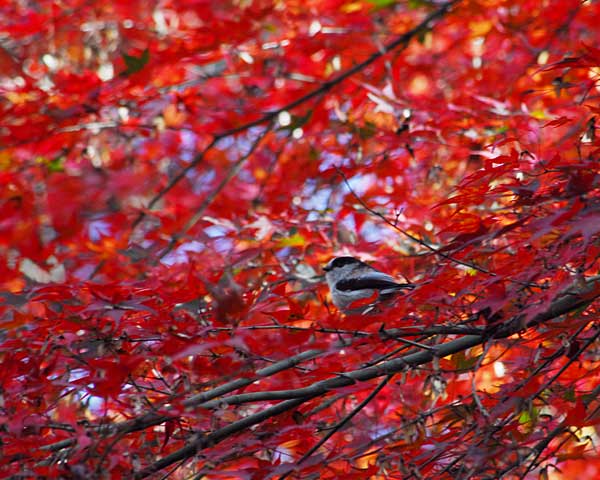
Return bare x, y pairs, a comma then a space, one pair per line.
174, 181
233, 171
421, 242
340, 424
401, 41
569, 302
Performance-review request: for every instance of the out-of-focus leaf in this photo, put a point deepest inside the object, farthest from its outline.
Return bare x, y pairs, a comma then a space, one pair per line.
135, 64
381, 3
295, 240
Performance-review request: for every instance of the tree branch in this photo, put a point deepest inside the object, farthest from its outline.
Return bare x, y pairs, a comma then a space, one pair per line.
571, 301
401, 41
417, 240
341, 424
233, 171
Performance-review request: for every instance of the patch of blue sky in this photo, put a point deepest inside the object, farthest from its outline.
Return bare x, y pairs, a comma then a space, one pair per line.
94, 403
179, 254
98, 229
189, 147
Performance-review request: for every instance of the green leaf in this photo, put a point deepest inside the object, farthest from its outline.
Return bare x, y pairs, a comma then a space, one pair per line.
381, 3
569, 394
367, 131
52, 164
524, 418
56, 164
462, 362
422, 36
135, 64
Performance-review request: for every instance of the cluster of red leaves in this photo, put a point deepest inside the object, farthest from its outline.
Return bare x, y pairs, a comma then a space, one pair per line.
174, 173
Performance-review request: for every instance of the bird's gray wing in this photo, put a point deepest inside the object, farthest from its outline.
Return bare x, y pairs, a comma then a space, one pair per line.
375, 280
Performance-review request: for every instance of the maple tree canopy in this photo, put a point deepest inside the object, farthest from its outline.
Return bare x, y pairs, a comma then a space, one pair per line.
176, 173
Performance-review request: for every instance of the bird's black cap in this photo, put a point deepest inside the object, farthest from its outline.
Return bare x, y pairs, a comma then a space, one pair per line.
340, 262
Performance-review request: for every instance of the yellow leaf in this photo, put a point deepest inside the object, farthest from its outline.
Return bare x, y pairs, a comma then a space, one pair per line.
352, 7
295, 240
19, 98
5, 160
479, 29
173, 117
539, 114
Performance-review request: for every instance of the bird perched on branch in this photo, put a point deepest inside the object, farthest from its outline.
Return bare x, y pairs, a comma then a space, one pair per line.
356, 287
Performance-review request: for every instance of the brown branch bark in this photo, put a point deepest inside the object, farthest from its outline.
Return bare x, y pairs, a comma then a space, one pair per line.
565, 304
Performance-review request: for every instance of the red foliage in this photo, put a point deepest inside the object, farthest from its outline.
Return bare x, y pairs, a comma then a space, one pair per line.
174, 175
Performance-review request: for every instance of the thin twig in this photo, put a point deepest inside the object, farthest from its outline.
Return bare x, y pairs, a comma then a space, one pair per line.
420, 241
403, 40
233, 171
391, 333
174, 181
298, 396
538, 448
476, 398
340, 424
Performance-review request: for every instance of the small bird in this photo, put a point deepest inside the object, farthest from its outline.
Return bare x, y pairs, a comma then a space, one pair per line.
354, 282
